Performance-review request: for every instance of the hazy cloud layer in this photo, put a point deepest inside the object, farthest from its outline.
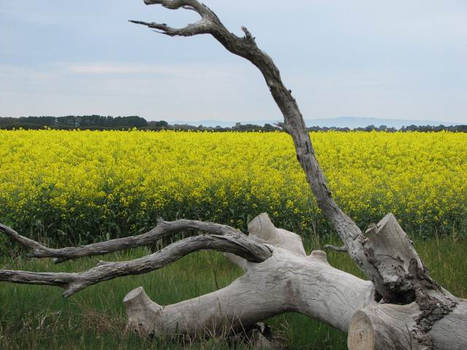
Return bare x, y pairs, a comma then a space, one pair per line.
372, 59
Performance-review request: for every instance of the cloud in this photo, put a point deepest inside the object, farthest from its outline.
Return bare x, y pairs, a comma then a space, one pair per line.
401, 59
178, 70
112, 68
169, 92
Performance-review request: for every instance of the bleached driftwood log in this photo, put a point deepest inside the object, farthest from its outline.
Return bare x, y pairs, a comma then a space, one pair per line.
287, 281
400, 307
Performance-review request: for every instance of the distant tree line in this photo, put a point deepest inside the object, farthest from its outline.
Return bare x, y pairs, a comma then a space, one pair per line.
92, 122
413, 127
98, 122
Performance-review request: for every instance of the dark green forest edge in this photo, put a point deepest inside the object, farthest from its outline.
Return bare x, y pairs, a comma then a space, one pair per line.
98, 122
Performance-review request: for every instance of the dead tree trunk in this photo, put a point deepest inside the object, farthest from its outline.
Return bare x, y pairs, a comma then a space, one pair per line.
401, 307
279, 277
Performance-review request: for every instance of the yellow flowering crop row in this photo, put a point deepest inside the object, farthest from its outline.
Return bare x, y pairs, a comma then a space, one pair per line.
79, 186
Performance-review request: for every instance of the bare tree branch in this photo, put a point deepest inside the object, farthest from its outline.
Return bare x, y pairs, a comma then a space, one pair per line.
200, 27
73, 282
176, 4
163, 229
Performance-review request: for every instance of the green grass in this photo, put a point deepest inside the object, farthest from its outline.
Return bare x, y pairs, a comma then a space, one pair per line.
38, 317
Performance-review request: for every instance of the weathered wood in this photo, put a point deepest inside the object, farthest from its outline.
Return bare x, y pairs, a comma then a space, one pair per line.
287, 281
412, 283
405, 279
394, 327
262, 229
279, 278
292, 281
294, 123
389, 250
450, 332
162, 230
383, 326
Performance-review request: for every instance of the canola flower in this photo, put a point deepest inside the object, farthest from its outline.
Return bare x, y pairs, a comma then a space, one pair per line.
74, 187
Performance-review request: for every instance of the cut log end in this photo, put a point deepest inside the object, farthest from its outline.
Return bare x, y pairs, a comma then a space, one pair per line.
361, 334
262, 229
141, 311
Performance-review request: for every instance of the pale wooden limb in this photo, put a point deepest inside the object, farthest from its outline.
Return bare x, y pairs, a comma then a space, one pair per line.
383, 327
162, 230
285, 282
430, 317
74, 282
288, 281
261, 229
450, 332
383, 253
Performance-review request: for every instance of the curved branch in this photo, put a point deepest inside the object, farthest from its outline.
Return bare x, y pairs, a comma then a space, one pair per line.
73, 282
200, 27
176, 4
203, 26
163, 229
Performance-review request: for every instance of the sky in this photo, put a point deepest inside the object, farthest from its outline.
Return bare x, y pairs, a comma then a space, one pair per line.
392, 59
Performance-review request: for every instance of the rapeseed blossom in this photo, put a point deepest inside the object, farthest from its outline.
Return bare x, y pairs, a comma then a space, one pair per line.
80, 186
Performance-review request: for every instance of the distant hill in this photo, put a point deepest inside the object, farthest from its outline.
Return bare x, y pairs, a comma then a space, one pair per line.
340, 122
358, 122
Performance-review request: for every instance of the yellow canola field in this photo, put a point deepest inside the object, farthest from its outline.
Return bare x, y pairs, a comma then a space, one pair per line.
79, 186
